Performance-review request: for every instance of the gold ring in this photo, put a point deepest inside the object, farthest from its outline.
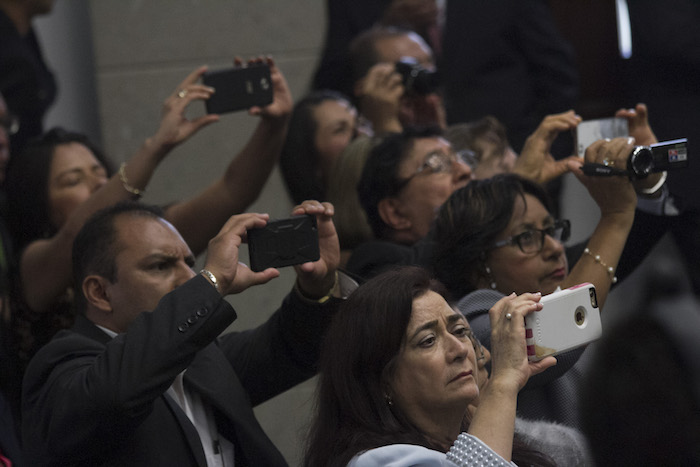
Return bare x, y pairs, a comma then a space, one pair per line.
608, 163
182, 93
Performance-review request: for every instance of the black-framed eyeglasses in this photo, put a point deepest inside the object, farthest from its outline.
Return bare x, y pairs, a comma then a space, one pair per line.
478, 349
10, 123
532, 241
437, 162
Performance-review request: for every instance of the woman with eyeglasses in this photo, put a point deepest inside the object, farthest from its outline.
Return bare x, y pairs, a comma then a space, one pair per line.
498, 236
403, 382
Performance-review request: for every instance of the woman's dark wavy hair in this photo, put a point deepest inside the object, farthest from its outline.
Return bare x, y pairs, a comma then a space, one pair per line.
27, 185
299, 161
468, 224
358, 358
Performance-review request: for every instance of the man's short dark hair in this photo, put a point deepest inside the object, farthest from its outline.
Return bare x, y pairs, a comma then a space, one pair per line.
363, 51
95, 247
380, 176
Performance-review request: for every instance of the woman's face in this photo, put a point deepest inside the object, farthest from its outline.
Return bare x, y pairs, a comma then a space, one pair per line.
514, 271
436, 370
75, 174
335, 127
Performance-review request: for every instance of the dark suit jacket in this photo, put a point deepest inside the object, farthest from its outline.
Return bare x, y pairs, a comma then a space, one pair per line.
92, 400
505, 58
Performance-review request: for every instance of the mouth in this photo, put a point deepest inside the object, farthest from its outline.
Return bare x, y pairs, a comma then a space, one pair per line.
558, 274
462, 375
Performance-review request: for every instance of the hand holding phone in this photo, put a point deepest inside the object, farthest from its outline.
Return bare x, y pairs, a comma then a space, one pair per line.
569, 318
284, 242
239, 88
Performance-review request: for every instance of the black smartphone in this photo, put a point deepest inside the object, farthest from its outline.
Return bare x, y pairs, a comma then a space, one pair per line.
283, 242
238, 88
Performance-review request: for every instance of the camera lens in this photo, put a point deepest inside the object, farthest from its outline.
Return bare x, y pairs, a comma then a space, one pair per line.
640, 162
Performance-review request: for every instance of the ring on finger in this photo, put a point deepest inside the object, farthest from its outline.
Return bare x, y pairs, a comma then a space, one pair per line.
608, 163
509, 316
182, 93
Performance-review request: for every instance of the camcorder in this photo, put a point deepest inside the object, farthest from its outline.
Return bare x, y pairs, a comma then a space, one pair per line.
645, 160
416, 78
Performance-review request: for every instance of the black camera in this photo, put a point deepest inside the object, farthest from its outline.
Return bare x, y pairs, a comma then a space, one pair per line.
658, 157
644, 160
416, 77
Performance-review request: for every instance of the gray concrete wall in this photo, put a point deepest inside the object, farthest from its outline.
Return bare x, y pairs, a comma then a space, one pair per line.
142, 51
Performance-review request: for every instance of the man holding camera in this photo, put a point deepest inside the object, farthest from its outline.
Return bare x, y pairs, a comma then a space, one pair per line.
395, 82
143, 378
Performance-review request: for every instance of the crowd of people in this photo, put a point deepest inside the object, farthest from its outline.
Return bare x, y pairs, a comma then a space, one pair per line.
439, 232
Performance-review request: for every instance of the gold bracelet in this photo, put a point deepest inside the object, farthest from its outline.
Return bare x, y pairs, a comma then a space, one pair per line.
323, 299
212, 278
125, 183
609, 269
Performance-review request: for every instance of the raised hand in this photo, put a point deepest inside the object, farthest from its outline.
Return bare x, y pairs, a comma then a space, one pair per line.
508, 348
638, 122
535, 161
282, 103
222, 255
317, 278
175, 127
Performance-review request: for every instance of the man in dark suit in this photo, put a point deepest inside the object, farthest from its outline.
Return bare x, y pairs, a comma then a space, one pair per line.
127, 386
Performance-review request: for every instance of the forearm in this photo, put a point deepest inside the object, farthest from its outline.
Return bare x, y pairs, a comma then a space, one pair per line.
607, 243
494, 420
200, 218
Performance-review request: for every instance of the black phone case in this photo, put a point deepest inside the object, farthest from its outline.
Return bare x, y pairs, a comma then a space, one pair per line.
238, 88
283, 242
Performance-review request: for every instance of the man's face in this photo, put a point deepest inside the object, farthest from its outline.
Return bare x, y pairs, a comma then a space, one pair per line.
152, 259
392, 49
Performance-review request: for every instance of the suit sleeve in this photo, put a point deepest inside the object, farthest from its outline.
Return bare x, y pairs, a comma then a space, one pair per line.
80, 395
283, 351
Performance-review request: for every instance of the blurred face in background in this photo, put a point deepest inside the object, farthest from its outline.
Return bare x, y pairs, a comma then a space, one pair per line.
75, 174
336, 126
431, 173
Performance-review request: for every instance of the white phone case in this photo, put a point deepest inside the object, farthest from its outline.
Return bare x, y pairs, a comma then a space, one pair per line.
569, 319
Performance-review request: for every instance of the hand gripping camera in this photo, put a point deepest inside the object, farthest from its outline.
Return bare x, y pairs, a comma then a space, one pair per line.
644, 160
416, 77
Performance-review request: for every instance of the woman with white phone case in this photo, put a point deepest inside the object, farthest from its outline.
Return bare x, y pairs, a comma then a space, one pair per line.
403, 382
498, 236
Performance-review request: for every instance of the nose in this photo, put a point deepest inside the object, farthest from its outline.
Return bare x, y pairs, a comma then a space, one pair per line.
458, 349
552, 247
461, 173
97, 182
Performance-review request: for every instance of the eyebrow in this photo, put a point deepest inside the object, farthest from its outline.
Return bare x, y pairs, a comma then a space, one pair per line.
433, 324
529, 225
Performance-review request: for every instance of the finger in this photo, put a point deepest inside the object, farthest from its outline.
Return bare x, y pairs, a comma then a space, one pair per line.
539, 367
192, 77
243, 222
203, 121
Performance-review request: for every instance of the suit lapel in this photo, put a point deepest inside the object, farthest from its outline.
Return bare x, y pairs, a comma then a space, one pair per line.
190, 431
211, 375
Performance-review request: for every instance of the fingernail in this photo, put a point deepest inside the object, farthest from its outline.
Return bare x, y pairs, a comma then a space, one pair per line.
631, 140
